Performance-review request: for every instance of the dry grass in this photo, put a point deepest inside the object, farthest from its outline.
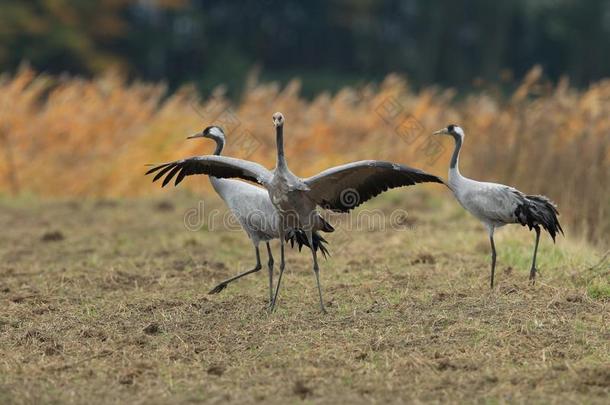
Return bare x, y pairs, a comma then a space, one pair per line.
105, 302
73, 137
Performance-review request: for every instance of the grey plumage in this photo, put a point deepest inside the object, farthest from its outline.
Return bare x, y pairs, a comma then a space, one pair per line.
252, 208
497, 205
295, 199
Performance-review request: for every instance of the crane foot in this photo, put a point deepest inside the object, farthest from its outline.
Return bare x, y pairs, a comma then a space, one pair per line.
218, 288
533, 275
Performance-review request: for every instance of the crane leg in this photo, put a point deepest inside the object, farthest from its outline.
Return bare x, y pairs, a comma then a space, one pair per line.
316, 270
533, 269
270, 265
282, 265
222, 285
493, 258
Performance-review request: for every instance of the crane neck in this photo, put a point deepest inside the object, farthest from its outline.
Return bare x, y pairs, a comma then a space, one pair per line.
216, 182
279, 140
220, 144
454, 169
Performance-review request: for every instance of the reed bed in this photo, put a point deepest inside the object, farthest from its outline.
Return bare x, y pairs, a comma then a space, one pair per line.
66, 136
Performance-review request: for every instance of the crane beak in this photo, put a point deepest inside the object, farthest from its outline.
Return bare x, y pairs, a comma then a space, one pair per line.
197, 135
441, 132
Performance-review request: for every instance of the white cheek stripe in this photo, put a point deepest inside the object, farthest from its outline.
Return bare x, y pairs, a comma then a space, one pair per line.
215, 131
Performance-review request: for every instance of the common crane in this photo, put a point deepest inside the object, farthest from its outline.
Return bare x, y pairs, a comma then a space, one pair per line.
339, 189
497, 205
257, 216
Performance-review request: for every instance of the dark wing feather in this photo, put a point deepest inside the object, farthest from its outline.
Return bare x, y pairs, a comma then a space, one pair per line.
164, 169
155, 167
171, 174
217, 166
345, 187
180, 176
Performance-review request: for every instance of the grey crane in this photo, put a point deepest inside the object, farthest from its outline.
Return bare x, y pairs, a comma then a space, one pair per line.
497, 205
255, 212
339, 189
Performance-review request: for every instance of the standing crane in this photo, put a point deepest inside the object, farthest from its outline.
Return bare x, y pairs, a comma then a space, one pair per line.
497, 205
339, 189
257, 216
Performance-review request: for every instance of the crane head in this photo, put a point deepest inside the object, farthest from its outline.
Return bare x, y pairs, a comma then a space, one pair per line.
211, 132
278, 119
452, 130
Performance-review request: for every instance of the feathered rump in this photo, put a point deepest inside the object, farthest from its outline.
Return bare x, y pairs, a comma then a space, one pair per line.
538, 210
299, 236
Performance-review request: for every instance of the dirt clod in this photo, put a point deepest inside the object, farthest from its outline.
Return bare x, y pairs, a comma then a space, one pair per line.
126, 379
52, 236
165, 206
491, 379
599, 377
445, 364
424, 258
42, 310
36, 335
441, 296
91, 333
216, 370
18, 299
53, 349
509, 289
361, 356
152, 329
301, 389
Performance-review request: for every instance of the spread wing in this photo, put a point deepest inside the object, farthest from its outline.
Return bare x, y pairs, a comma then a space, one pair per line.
212, 165
344, 187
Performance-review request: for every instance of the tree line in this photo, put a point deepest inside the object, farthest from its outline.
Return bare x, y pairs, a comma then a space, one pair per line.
328, 43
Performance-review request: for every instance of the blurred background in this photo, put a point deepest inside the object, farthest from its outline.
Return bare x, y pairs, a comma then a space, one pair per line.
327, 43
91, 90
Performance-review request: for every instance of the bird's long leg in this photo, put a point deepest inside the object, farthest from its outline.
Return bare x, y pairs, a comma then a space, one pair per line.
316, 269
270, 265
493, 256
222, 285
533, 269
282, 265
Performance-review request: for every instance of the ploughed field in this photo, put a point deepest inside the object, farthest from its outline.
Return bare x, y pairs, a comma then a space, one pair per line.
106, 301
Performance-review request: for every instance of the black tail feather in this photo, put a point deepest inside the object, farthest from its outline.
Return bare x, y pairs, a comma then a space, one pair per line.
538, 210
299, 236
326, 227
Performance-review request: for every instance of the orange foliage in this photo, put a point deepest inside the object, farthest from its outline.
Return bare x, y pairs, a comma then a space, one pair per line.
76, 137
